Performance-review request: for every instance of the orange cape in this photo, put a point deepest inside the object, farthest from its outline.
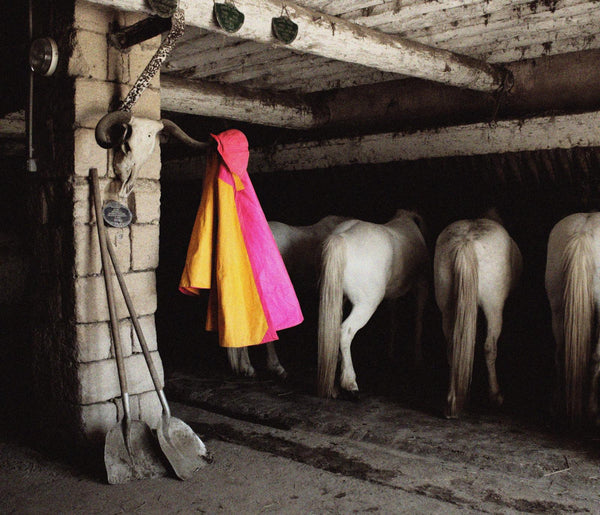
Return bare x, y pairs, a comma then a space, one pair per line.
233, 254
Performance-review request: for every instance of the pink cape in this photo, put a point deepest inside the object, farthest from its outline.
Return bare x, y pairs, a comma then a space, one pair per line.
275, 290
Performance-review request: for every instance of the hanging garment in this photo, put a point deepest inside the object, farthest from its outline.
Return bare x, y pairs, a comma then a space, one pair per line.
232, 253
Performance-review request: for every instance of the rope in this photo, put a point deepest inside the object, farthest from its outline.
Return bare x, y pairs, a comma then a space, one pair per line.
500, 95
177, 29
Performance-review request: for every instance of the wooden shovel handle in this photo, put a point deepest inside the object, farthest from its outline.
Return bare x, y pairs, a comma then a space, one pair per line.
136, 323
114, 321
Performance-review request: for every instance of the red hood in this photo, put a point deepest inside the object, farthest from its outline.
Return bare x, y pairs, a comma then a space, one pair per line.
233, 147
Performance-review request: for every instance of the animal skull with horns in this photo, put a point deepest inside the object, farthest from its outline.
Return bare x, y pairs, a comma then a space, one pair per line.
135, 139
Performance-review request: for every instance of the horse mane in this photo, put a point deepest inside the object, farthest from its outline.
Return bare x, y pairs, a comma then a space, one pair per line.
415, 217
492, 213
418, 219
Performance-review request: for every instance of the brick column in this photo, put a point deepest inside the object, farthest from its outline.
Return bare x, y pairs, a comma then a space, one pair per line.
73, 338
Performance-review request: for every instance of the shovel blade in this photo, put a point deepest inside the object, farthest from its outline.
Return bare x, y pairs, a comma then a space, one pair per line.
132, 454
182, 447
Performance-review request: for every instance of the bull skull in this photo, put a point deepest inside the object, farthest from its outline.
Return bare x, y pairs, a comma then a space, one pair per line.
135, 151
135, 139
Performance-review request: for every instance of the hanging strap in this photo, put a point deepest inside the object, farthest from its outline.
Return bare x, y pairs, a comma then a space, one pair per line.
177, 29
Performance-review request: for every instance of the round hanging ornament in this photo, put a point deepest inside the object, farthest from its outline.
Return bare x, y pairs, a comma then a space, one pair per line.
116, 214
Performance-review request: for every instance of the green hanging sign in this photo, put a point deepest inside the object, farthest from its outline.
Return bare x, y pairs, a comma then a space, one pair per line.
228, 17
164, 8
284, 29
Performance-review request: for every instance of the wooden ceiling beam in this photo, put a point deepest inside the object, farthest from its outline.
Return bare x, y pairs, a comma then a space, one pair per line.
542, 133
215, 100
541, 85
335, 38
523, 135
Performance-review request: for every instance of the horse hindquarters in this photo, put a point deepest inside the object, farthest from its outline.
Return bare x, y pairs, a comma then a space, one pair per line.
464, 327
330, 313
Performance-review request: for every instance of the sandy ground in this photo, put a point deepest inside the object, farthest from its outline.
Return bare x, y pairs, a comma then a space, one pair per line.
240, 480
488, 461
278, 449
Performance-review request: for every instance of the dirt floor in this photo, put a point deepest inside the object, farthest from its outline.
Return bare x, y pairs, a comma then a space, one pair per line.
496, 462
277, 448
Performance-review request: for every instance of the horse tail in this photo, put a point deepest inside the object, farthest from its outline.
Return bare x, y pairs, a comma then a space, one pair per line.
465, 286
330, 312
578, 301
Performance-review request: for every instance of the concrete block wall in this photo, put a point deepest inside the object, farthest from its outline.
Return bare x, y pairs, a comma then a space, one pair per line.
103, 76
72, 341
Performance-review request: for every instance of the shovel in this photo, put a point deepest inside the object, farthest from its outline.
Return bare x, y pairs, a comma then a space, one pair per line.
129, 449
182, 447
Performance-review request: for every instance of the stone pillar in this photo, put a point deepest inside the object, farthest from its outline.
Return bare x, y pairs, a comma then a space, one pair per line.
76, 376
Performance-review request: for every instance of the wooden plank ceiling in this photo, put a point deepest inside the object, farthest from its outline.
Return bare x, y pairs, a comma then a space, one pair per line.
372, 47
354, 62
493, 31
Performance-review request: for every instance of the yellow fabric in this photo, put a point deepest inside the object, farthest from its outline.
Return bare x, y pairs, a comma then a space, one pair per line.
217, 259
239, 185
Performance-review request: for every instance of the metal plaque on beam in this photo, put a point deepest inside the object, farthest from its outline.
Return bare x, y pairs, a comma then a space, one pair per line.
284, 29
228, 17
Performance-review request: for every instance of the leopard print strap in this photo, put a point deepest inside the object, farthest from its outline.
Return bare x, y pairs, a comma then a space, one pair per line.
177, 29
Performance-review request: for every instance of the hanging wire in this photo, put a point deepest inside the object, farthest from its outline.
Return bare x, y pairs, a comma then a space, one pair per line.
31, 163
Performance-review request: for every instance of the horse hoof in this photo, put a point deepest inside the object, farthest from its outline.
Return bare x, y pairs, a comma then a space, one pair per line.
450, 413
281, 375
244, 374
497, 400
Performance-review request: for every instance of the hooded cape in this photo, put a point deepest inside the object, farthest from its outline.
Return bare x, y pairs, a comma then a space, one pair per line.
232, 253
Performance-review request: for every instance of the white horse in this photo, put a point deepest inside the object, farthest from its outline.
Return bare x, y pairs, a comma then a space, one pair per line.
573, 290
365, 263
476, 264
300, 248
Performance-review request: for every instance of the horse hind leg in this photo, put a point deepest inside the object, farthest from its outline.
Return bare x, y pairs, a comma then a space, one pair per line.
422, 291
593, 407
392, 307
558, 323
273, 364
493, 316
355, 321
239, 361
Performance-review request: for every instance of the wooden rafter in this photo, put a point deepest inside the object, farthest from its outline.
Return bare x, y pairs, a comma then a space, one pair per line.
540, 133
542, 85
534, 134
210, 99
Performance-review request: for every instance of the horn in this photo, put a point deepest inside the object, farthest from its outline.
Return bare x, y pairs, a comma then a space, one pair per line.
110, 131
174, 130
